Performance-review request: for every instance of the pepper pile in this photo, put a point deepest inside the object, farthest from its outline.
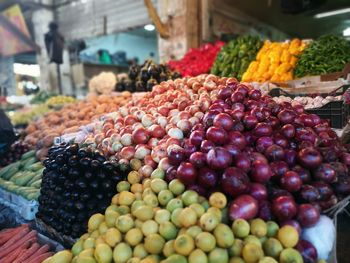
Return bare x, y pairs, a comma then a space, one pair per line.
275, 61
234, 57
197, 60
325, 55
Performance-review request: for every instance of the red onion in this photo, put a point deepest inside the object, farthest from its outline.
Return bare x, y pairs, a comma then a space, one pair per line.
309, 193
224, 121
324, 189
176, 154
325, 173
234, 181
236, 138
206, 146
288, 131
286, 116
307, 251
308, 215
278, 168
249, 122
198, 159
258, 191
263, 143
186, 173
244, 206
255, 94
290, 157
207, 177
265, 212
309, 157
284, 208
196, 137
291, 181
260, 172
217, 135
242, 161
274, 153
219, 158
262, 129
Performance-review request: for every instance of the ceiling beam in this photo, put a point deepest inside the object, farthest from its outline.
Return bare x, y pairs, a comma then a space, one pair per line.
18, 33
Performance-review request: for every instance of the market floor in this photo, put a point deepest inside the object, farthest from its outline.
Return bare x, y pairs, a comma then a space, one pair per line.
343, 239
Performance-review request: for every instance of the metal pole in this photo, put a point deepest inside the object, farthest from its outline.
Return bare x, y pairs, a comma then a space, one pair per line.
59, 83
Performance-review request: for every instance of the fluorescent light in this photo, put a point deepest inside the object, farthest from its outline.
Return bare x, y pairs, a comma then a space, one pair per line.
27, 70
346, 32
333, 13
149, 27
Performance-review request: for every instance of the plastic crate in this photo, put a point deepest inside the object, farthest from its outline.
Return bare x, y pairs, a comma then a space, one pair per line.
337, 112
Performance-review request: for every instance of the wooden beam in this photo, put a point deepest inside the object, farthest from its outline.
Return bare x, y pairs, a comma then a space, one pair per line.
161, 28
18, 33
193, 23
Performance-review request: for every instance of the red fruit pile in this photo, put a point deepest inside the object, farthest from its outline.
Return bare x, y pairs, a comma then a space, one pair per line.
197, 60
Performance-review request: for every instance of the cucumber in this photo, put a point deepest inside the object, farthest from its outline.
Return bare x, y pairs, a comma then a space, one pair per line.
33, 196
4, 170
17, 175
36, 184
35, 167
28, 162
24, 179
36, 178
12, 171
28, 155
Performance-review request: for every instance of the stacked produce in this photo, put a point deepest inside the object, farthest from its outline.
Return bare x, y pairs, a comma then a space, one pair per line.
152, 221
14, 153
144, 77
41, 97
325, 55
57, 101
235, 57
23, 177
29, 114
308, 102
197, 60
275, 61
77, 182
42, 132
103, 83
20, 244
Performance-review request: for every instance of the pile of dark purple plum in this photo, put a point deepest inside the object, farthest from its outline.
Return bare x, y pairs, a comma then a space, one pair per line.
273, 161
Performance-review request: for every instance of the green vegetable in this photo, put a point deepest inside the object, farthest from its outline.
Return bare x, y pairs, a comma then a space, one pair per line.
235, 57
325, 55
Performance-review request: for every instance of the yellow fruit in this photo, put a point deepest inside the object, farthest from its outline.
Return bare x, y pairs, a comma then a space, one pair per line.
149, 227
272, 247
136, 205
140, 251
168, 248
175, 258
176, 187
199, 209
126, 198
215, 211
168, 230
144, 213
175, 217
136, 188
89, 243
102, 228
154, 243
99, 240
87, 252
134, 260
111, 217
165, 196
258, 227
78, 247
94, 234
268, 260
115, 199
240, 228
135, 164
188, 217
194, 231
133, 236
123, 186
151, 200
184, 244
174, 204
162, 215
272, 228
103, 253
113, 237
64, 256
158, 173
288, 236
252, 239
189, 197
122, 252
218, 255
224, 236
134, 177
205, 241
208, 221
124, 223
236, 260
218, 200
197, 256
236, 249
290, 255
85, 259
158, 185
95, 221
252, 253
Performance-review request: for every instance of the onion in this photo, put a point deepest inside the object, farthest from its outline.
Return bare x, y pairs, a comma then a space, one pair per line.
186, 173
223, 120
290, 157
309, 157
242, 161
196, 137
303, 173
234, 181
278, 168
198, 159
308, 215
262, 129
263, 143
236, 138
325, 173
309, 193
324, 189
249, 122
284, 208
260, 172
307, 251
217, 135
258, 191
265, 212
288, 131
291, 181
244, 206
207, 177
206, 146
286, 116
274, 153
219, 158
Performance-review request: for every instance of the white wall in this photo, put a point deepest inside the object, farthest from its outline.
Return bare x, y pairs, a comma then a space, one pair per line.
133, 45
